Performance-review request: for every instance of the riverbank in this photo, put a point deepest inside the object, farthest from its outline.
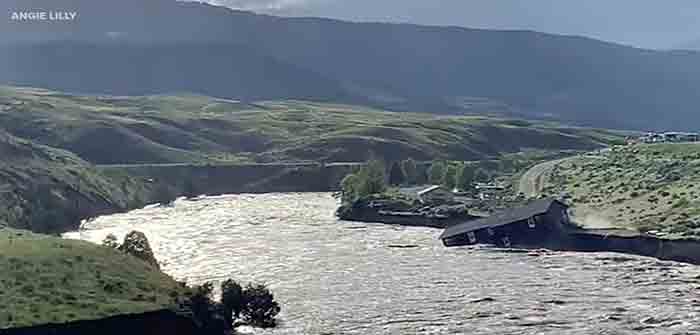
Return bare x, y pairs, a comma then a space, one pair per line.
395, 210
323, 270
404, 212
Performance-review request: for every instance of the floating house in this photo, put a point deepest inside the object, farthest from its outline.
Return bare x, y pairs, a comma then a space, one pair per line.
536, 224
436, 195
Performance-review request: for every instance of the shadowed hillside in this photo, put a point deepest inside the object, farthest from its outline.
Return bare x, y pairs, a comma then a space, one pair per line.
45, 189
165, 46
188, 128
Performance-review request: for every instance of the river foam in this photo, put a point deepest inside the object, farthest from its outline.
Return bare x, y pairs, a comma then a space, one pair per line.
335, 277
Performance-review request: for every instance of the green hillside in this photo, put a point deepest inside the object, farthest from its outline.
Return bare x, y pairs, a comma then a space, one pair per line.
44, 189
188, 128
649, 187
47, 280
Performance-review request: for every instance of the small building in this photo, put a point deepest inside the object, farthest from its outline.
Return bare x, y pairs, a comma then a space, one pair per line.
437, 194
540, 221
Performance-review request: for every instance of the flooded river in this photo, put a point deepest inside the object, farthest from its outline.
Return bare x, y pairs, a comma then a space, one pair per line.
334, 277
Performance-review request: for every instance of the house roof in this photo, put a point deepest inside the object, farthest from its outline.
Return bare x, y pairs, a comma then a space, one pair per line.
509, 216
431, 189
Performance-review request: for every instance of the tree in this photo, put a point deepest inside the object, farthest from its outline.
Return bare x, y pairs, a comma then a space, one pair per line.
260, 307
350, 188
465, 178
202, 306
232, 300
136, 244
449, 180
410, 170
110, 241
396, 174
372, 178
481, 175
436, 172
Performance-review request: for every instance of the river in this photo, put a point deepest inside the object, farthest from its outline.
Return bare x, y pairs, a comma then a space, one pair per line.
334, 277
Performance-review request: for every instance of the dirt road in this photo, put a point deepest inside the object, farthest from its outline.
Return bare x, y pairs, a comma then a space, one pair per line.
532, 182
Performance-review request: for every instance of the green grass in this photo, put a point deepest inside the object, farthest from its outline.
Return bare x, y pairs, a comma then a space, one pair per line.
648, 187
47, 279
46, 189
191, 128
50, 141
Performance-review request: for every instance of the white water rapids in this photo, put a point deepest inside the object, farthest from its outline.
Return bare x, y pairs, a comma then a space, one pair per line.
334, 277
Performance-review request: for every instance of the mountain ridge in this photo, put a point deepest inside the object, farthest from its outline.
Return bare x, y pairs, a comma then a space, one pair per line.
401, 67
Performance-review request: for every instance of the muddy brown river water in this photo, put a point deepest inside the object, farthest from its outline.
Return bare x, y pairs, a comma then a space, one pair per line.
334, 277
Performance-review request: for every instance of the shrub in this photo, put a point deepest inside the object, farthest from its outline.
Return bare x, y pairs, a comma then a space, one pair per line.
260, 307
110, 241
232, 300
370, 179
136, 244
682, 203
204, 308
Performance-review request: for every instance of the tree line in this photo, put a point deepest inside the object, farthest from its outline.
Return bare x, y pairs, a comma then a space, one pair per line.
372, 178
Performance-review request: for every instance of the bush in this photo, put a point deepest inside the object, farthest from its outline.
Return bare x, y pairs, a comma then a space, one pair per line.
260, 307
232, 300
370, 179
110, 241
202, 306
136, 244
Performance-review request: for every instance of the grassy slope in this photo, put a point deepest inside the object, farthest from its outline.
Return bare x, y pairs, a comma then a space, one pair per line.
649, 187
188, 128
46, 189
46, 279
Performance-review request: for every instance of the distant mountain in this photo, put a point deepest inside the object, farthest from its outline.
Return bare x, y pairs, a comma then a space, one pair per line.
690, 45
159, 46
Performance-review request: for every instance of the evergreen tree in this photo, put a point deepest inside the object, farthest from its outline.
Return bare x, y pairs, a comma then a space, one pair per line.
397, 175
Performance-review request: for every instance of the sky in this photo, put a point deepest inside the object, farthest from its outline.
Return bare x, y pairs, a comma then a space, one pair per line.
658, 24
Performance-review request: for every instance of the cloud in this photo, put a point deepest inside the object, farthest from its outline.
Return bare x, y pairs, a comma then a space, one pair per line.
263, 5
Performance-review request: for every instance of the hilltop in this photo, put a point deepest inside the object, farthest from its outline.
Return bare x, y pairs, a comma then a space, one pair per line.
193, 128
51, 280
155, 47
653, 187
